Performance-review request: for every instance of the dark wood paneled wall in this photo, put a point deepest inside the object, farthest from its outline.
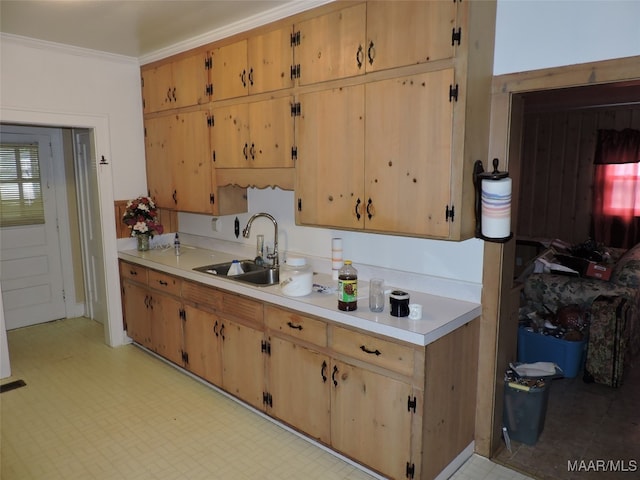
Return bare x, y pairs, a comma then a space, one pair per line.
555, 191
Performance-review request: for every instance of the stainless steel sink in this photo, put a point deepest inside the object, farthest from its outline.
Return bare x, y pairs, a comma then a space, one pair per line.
254, 274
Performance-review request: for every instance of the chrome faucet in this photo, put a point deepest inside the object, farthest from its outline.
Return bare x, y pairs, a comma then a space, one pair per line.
245, 233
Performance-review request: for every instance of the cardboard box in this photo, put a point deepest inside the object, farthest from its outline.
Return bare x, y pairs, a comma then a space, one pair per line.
598, 270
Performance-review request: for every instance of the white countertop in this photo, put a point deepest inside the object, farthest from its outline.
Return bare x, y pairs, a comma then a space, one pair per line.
440, 315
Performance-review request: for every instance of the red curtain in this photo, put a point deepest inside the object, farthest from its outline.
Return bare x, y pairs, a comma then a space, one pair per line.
616, 195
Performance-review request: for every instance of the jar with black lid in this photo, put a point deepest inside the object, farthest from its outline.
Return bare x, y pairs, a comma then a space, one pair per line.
399, 303
347, 287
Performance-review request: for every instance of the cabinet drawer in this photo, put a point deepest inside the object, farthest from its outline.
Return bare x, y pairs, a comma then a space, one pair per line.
133, 272
384, 353
202, 295
164, 282
241, 307
296, 325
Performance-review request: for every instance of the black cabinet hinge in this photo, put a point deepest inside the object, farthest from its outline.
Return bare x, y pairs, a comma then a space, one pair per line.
211, 121
411, 470
294, 153
453, 93
449, 213
208, 63
299, 204
208, 90
295, 39
185, 357
456, 37
411, 404
267, 399
295, 109
295, 71
182, 314
212, 199
213, 156
265, 347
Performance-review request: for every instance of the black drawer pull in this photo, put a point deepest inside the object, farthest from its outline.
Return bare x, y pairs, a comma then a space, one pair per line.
295, 327
163, 283
322, 372
372, 352
133, 273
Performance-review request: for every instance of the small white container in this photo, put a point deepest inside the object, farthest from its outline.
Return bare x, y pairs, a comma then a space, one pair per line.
296, 277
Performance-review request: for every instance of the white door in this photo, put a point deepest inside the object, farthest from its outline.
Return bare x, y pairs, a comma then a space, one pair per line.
30, 265
90, 226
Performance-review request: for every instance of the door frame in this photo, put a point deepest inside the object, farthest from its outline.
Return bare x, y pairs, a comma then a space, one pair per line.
99, 125
498, 328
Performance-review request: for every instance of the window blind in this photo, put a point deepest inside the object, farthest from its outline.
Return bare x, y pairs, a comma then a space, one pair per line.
20, 187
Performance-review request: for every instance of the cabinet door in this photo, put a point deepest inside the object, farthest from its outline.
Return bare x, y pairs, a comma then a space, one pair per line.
271, 133
191, 163
299, 387
270, 56
190, 78
201, 334
408, 149
330, 165
332, 45
242, 362
136, 306
156, 88
160, 178
229, 74
166, 327
403, 33
230, 136
370, 420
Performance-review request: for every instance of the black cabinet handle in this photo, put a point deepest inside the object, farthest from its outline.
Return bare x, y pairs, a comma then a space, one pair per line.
372, 352
371, 53
175, 196
163, 283
322, 371
251, 76
252, 151
295, 327
169, 95
370, 209
359, 57
173, 94
358, 202
133, 273
244, 151
222, 331
215, 328
333, 376
243, 78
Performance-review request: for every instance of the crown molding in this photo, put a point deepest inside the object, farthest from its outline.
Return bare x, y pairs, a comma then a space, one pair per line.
244, 25
66, 49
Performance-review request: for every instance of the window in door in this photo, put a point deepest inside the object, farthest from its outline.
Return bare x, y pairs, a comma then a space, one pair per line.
20, 187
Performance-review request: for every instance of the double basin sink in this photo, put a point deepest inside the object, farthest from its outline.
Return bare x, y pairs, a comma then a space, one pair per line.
254, 274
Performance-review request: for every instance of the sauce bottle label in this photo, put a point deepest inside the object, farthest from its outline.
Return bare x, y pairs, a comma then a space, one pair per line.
348, 290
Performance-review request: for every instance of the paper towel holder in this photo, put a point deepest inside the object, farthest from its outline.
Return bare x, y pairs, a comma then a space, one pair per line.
478, 175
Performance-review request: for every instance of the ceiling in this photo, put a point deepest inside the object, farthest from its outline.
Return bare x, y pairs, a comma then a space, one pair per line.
134, 28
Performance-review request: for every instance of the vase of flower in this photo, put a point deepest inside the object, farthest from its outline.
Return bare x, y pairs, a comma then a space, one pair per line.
141, 216
143, 242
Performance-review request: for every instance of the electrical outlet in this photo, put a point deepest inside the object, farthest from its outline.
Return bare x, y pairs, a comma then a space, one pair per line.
214, 224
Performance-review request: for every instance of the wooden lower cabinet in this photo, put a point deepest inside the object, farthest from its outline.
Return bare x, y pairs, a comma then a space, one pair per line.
299, 379
402, 410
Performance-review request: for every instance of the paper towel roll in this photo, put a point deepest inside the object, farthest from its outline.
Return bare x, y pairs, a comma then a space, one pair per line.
496, 208
336, 256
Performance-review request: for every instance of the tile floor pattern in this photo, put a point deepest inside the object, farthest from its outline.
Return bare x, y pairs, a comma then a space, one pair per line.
584, 422
89, 411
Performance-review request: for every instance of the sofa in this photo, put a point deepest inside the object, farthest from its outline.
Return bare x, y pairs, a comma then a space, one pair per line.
545, 292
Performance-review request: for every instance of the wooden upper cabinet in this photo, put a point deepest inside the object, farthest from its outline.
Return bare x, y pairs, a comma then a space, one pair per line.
179, 83
403, 33
408, 167
330, 165
179, 172
331, 46
228, 74
253, 135
270, 57
261, 63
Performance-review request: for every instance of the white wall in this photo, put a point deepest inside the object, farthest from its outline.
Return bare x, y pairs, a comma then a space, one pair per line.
42, 78
535, 34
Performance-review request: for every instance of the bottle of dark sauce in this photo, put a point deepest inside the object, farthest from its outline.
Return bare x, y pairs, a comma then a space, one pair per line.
347, 287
